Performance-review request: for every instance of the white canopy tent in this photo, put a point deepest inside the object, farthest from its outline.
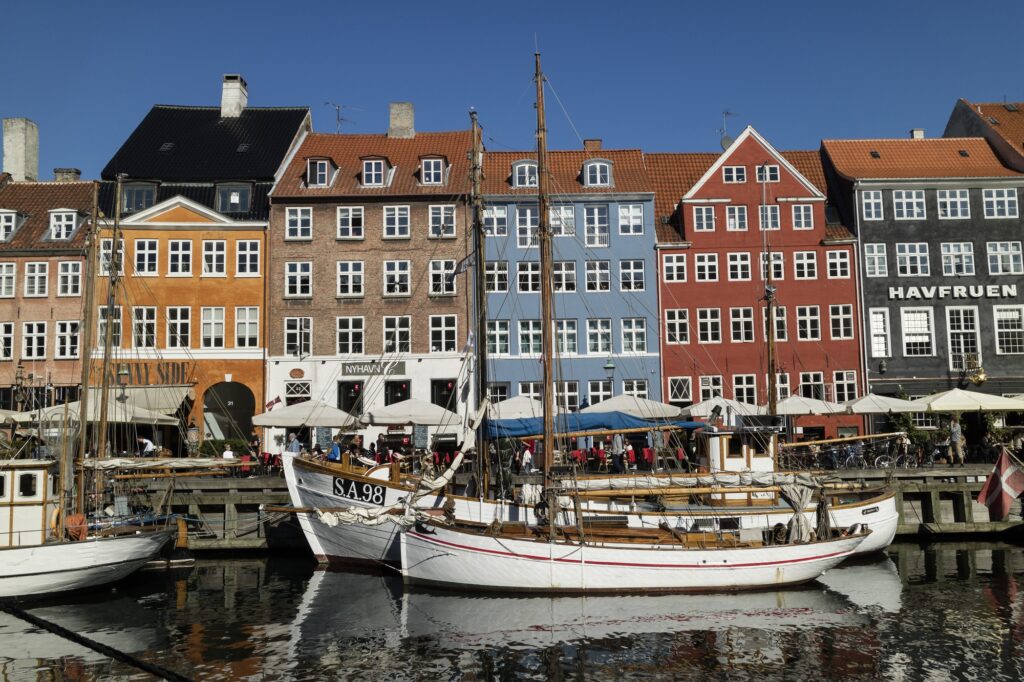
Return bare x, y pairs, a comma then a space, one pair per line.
411, 411
520, 407
959, 400
161, 398
798, 405
729, 407
118, 412
880, 404
308, 413
636, 407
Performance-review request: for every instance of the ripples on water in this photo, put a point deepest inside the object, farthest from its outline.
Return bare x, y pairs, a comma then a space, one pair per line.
948, 612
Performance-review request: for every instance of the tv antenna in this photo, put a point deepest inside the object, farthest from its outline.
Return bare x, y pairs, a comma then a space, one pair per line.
726, 140
338, 118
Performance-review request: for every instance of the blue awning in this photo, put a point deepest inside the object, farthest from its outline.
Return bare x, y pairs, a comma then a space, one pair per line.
576, 422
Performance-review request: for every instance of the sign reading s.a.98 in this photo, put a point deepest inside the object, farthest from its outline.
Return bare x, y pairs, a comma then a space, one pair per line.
368, 493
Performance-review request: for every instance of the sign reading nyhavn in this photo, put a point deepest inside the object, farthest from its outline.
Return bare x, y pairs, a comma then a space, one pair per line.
352, 369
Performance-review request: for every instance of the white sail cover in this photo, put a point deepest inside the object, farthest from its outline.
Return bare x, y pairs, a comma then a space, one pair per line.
152, 464
797, 405
715, 480
880, 404
959, 400
636, 407
309, 413
411, 411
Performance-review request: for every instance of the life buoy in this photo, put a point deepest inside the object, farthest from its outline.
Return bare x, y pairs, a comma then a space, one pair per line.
55, 522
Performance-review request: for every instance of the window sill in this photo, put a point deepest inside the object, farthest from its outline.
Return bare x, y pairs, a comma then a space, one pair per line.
442, 236
349, 239
350, 297
397, 295
299, 239
179, 274
247, 275
145, 274
214, 275
397, 238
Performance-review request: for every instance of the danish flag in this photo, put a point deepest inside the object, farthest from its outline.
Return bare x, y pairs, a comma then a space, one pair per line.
1004, 484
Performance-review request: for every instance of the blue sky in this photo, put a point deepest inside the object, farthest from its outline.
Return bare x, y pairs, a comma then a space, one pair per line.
653, 75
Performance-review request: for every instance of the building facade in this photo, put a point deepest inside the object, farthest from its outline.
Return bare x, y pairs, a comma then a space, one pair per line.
605, 299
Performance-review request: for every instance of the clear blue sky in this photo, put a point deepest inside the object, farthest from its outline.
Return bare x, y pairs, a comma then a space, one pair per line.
653, 75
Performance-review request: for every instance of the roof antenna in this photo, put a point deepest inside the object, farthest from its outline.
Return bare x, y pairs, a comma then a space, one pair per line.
726, 140
338, 118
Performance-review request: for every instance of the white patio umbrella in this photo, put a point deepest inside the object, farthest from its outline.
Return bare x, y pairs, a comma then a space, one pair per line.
520, 407
704, 408
636, 407
959, 400
880, 404
118, 412
309, 413
797, 405
411, 411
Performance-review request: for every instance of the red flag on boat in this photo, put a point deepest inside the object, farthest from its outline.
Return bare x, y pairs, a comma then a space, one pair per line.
1004, 484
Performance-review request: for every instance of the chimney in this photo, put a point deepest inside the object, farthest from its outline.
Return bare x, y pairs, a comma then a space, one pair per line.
21, 149
592, 145
234, 96
917, 133
67, 174
402, 119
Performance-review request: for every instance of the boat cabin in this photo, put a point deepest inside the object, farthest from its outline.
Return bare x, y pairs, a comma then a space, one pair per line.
29, 497
737, 449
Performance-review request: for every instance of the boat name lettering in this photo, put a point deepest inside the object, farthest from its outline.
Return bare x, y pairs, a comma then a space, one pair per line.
360, 492
940, 292
869, 510
352, 369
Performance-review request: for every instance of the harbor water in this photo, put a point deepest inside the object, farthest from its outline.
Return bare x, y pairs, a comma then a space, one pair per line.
940, 612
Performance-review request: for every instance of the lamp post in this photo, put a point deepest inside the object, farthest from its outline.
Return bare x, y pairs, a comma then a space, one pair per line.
122, 381
609, 371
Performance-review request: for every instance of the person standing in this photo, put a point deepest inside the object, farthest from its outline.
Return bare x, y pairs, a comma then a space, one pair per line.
335, 453
294, 445
617, 452
956, 445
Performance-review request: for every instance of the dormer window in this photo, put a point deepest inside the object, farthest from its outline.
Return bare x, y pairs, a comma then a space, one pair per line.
7, 219
432, 171
233, 198
766, 173
137, 197
524, 174
318, 173
62, 224
597, 173
373, 173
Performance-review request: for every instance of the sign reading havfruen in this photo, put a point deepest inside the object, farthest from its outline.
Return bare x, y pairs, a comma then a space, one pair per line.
974, 291
358, 369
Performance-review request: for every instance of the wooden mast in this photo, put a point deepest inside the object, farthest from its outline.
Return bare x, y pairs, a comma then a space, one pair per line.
480, 294
86, 343
769, 297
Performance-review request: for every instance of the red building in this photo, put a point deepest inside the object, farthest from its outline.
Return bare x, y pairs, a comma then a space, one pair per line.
720, 217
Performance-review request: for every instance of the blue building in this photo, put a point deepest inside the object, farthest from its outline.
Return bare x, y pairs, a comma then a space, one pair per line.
604, 271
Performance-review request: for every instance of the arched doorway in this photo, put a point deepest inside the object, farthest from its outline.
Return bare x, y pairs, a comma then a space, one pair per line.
228, 408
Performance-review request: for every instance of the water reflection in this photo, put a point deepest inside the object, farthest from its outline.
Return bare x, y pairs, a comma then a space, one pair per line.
938, 612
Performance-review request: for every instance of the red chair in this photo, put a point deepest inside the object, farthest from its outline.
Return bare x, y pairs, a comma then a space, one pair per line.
245, 468
681, 454
437, 455
632, 456
649, 456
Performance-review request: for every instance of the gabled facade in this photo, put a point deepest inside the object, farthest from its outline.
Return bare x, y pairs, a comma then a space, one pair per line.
721, 215
605, 300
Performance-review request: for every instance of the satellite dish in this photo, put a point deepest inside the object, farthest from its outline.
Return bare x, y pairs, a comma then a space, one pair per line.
726, 142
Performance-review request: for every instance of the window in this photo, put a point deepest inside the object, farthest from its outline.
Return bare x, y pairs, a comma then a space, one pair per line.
8, 273
442, 333
524, 175
874, 261
350, 278
179, 327
1000, 203
673, 267
442, 221
962, 332
710, 387
137, 197
247, 327
67, 340
599, 336
957, 259
782, 386
233, 198
1009, 329
69, 278
880, 339
599, 390
769, 217
499, 341
808, 323
442, 393
396, 222
107, 255
805, 265
146, 257
432, 171
742, 320
496, 221
744, 388
954, 204
595, 220
531, 389
498, 391
496, 277
563, 221
598, 275
298, 279
373, 173
350, 335
631, 275
566, 339
396, 277
350, 221
318, 172
214, 258
918, 332
527, 220
37, 278
247, 258
838, 264
144, 327
631, 219
398, 334
213, 327
844, 385
563, 275
704, 218
634, 335
567, 395
923, 420
442, 278
33, 340
115, 327
871, 202
179, 258
732, 174
62, 225
803, 217
707, 267
7, 220
680, 390
912, 259
778, 266
709, 325
841, 319
297, 392
739, 267
529, 337
736, 218
1004, 258
528, 276
812, 385
597, 173
298, 336
677, 325
635, 387
908, 204
298, 223
767, 173
6, 340
781, 328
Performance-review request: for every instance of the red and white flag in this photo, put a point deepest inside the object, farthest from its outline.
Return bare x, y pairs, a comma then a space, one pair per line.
1004, 484
270, 405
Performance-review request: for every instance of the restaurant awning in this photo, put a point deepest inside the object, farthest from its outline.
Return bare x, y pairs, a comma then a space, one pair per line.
164, 399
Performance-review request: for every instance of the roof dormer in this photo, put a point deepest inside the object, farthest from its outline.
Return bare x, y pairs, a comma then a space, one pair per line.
524, 173
63, 223
597, 173
8, 224
377, 172
320, 172
433, 170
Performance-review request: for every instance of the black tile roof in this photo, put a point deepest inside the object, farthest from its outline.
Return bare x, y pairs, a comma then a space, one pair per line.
205, 194
198, 145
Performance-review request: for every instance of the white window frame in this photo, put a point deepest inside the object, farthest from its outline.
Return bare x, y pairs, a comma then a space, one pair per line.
298, 279
741, 325
499, 338
929, 313
634, 329
398, 326
215, 258
182, 249
300, 331
247, 258
33, 340
879, 317
524, 174
597, 174
442, 221
680, 390
1000, 203
496, 277
599, 276
847, 379
496, 221
36, 282
532, 333
768, 214
736, 218
953, 204
673, 267
909, 204
563, 276
176, 323
62, 225
401, 273
677, 326
528, 271
913, 256
837, 262
374, 174
318, 173
709, 325
567, 338
432, 171
808, 323
350, 222
107, 255
355, 333
8, 279
744, 388
957, 259
562, 220
69, 343
872, 205
597, 230
631, 219
354, 271
767, 173
732, 175
632, 275
298, 223
963, 334
805, 265
396, 222
445, 329
599, 390
711, 386
705, 264
703, 218
247, 327
149, 251
442, 278
8, 220
600, 330
1004, 258
843, 314
6, 340
876, 262
212, 327
527, 224
778, 266
638, 388
739, 267
803, 217
143, 327
1001, 331
69, 278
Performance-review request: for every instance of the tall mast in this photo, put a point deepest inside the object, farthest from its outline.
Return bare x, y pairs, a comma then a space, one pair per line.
480, 294
113, 268
769, 297
85, 344
546, 311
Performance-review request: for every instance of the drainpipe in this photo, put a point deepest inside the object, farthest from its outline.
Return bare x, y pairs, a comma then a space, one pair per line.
865, 323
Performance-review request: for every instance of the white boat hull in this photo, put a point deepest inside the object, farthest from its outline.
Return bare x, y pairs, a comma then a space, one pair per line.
469, 560
65, 566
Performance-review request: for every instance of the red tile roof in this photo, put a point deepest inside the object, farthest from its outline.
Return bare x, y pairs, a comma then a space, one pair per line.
673, 176
629, 171
1007, 123
33, 201
404, 154
916, 158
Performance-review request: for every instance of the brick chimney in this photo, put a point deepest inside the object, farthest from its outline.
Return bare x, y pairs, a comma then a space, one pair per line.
67, 174
234, 96
592, 145
917, 133
401, 121
21, 148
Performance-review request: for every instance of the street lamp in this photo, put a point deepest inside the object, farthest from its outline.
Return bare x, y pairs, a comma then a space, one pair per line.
609, 371
122, 380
